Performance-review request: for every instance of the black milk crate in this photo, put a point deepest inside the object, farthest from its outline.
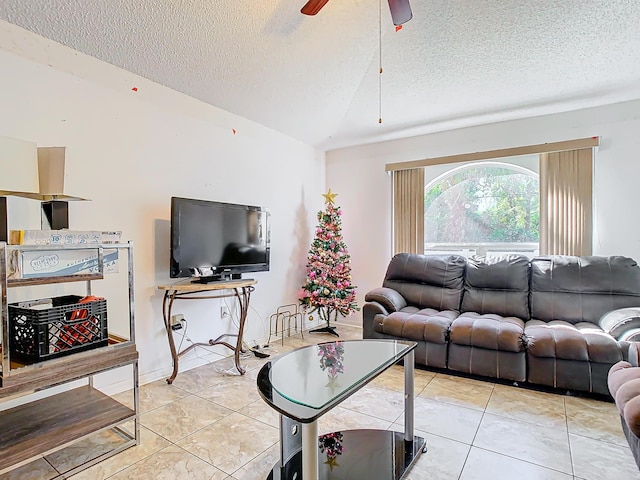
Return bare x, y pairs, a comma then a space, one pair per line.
67, 327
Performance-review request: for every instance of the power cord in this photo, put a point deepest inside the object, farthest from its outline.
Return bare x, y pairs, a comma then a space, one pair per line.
184, 336
232, 314
256, 349
264, 327
232, 371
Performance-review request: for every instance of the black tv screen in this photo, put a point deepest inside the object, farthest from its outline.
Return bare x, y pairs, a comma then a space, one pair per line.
217, 241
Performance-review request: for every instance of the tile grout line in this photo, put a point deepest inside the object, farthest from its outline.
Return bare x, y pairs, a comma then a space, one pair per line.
207, 461
572, 474
525, 461
52, 466
171, 444
484, 411
613, 444
464, 464
175, 443
254, 458
566, 419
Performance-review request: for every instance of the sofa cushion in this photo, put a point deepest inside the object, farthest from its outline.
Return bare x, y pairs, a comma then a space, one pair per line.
497, 284
488, 331
582, 341
624, 386
577, 289
631, 412
619, 374
627, 392
427, 281
419, 325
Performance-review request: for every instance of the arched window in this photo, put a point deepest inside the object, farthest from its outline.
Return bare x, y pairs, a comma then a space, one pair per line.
483, 208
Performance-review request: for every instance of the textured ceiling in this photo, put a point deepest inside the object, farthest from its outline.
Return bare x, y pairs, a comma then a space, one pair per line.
457, 63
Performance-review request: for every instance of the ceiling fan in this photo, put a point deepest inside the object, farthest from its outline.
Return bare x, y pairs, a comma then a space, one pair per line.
400, 9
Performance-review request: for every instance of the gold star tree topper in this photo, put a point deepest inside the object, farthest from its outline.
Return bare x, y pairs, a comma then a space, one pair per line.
329, 197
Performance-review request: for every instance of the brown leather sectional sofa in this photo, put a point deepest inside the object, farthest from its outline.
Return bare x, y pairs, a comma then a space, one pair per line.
553, 320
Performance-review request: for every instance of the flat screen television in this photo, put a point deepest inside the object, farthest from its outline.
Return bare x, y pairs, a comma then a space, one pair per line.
213, 241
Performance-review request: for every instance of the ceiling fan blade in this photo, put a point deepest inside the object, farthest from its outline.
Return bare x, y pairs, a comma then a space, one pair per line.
400, 11
313, 6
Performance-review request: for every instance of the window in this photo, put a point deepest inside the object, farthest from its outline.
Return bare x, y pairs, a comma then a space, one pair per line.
483, 208
470, 217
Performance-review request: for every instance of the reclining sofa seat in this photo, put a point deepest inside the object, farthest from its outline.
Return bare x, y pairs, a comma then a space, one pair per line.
418, 300
566, 345
545, 321
488, 337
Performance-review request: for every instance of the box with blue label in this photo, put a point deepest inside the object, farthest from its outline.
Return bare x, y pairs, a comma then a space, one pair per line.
44, 263
52, 263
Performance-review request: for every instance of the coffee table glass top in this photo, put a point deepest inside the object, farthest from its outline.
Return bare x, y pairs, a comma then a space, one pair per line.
316, 375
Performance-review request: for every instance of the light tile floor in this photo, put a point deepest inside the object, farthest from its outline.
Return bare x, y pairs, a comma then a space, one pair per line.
209, 425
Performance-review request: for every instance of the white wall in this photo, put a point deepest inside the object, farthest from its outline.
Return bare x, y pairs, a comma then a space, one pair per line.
130, 151
358, 174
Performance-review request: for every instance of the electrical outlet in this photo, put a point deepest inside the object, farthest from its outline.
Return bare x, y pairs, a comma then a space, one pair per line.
224, 311
177, 319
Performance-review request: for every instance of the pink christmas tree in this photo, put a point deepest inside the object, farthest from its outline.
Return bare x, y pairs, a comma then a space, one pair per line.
328, 289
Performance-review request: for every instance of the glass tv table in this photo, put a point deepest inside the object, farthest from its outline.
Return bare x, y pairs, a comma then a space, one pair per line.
304, 384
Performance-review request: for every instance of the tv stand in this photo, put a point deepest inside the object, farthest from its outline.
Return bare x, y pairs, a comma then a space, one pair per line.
240, 289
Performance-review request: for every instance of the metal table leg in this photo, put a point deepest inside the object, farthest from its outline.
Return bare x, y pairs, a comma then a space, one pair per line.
166, 313
408, 396
310, 451
243, 303
290, 439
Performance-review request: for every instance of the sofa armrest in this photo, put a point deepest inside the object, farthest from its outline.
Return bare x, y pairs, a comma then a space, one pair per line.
622, 324
390, 299
633, 353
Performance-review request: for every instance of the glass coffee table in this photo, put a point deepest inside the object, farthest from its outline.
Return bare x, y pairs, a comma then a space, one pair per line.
306, 383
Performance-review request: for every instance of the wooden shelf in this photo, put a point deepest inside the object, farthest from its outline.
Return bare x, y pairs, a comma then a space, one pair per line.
45, 374
25, 282
40, 427
45, 425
